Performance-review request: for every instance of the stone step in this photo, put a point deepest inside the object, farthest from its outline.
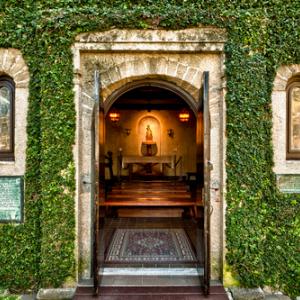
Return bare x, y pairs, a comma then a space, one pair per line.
111, 271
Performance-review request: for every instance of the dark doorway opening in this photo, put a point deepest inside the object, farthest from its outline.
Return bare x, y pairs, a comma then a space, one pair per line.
150, 218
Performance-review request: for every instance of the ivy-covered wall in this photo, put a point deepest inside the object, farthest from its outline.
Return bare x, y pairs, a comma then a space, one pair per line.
262, 224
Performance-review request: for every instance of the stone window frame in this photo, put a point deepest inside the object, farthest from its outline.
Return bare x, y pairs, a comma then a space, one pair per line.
9, 155
292, 83
13, 65
282, 165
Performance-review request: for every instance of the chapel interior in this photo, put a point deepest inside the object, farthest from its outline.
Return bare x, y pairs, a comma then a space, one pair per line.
152, 178
158, 109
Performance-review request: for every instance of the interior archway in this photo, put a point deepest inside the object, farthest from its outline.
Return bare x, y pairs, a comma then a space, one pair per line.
153, 83
153, 100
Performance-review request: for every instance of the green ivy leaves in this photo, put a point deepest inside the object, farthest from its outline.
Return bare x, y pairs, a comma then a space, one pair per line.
262, 225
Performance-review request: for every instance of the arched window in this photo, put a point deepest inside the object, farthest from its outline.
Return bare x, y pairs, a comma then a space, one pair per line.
7, 98
293, 118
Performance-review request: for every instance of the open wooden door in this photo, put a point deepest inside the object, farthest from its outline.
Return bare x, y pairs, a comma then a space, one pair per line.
206, 191
99, 186
203, 183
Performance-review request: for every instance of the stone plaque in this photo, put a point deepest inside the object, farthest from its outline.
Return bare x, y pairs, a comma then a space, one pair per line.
11, 199
289, 183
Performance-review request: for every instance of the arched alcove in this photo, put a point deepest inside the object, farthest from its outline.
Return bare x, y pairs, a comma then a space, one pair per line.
149, 136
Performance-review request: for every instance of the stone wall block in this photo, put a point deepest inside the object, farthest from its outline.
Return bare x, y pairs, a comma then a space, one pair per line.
154, 65
3, 53
188, 87
162, 66
197, 80
247, 294
56, 294
3, 59
295, 69
277, 297
106, 92
285, 72
23, 83
279, 84
8, 61
21, 78
190, 74
13, 65
140, 68
181, 70
17, 66
171, 68
123, 68
114, 74
105, 80
202, 34
193, 92
21, 69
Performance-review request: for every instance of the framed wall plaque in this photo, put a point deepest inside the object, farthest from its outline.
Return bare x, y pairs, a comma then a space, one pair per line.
11, 199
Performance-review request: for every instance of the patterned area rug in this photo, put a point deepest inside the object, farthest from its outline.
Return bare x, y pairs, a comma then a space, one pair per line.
150, 246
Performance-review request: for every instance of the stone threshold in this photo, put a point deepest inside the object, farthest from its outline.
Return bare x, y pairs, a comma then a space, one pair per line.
152, 272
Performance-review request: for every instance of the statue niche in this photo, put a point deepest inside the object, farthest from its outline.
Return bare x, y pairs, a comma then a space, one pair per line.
149, 147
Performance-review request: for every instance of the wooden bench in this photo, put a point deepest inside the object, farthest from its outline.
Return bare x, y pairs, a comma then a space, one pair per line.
151, 195
157, 203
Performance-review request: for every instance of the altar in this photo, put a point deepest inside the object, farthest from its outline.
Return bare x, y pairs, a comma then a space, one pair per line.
163, 161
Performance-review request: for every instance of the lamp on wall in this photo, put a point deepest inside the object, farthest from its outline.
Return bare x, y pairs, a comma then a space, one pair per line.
114, 116
171, 132
184, 115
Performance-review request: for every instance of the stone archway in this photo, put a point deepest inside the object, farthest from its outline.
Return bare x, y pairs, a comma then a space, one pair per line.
123, 57
173, 71
154, 81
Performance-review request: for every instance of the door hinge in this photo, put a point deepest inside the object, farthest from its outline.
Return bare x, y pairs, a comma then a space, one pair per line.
210, 165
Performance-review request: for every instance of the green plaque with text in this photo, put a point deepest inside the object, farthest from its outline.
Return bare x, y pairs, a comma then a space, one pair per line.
11, 198
289, 183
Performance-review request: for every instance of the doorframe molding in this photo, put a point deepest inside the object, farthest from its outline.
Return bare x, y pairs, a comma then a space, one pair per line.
172, 47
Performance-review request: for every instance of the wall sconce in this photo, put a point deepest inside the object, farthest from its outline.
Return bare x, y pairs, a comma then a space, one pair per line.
114, 116
184, 115
171, 133
127, 131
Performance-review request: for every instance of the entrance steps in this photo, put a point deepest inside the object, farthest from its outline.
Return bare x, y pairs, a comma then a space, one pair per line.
151, 277
158, 271
151, 293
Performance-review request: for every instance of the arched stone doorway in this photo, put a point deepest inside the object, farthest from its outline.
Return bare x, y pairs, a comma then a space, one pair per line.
160, 200
178, 57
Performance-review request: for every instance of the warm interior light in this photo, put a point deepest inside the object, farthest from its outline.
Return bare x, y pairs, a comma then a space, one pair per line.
114, 116
184, 116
